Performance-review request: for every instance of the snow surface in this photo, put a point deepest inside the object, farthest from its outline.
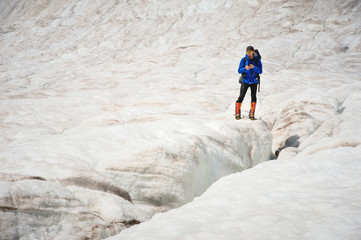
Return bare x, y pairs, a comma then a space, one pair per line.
113, 112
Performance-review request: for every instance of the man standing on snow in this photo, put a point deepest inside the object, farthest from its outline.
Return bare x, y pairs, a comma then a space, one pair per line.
250, 67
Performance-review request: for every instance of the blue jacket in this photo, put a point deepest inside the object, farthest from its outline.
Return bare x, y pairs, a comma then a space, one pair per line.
251, 74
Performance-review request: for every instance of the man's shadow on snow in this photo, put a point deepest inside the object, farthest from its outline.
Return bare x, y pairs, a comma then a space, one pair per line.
290, 142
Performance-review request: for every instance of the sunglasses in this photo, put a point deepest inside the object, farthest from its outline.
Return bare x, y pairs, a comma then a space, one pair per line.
250, 52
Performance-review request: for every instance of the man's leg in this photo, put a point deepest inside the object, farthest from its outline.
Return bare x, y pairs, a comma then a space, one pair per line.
243, 90
253, 100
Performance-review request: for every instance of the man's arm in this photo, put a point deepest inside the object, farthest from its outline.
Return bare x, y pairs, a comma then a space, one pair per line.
259, 68
241, 69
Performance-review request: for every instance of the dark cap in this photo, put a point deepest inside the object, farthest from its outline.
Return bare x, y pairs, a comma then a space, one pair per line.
249, 48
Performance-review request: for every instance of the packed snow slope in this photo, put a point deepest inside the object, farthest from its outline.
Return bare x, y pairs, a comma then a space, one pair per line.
113, 111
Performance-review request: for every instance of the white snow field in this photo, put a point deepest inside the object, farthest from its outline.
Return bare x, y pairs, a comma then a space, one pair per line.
116, 120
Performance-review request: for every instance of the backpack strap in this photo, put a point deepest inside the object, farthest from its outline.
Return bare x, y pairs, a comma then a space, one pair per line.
258, 76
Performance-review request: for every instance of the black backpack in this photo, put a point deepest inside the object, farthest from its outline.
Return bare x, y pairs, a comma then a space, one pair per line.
257, 55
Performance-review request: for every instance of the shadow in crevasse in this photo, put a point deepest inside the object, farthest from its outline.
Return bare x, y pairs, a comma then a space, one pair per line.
290, 142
